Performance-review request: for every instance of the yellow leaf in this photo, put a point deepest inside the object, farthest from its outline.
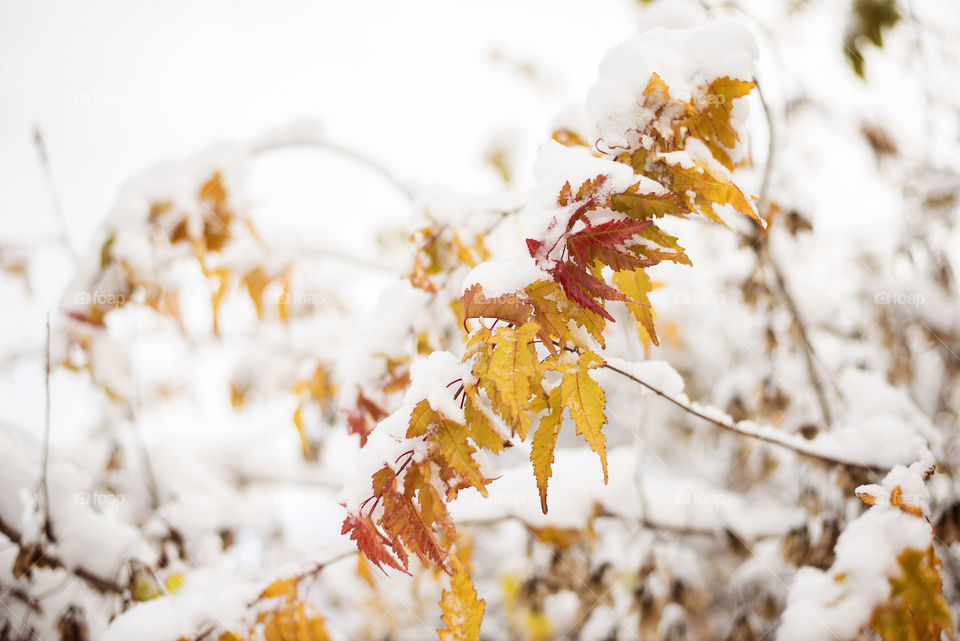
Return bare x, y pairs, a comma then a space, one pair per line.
709, 189
585, 400
554, 311
448, 443
298, 422
462, 610
173, 583
280, 587
256, 281
709, 116
145, 588
481, 426
544, 442
505, 363
636, 285
916, 610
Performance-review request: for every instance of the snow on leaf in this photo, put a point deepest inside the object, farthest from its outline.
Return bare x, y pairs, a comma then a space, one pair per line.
709, 116
447, 443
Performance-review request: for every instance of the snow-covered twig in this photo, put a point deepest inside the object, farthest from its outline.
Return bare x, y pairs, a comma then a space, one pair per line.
737, 428
98, 583
277, 143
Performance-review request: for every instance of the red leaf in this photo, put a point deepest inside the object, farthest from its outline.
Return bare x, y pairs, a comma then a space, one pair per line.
370, 541
582, 288
599, 243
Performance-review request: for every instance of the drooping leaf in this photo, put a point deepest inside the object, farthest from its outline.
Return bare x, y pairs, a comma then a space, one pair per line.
582, 288
462, 609
544, 442
585, 400
600, 243
637, 285
402, 520
511, 374
371, 542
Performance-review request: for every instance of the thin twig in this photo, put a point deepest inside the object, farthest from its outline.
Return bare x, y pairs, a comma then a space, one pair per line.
44, 490
761, 249
771, 145
809, 353
63, 236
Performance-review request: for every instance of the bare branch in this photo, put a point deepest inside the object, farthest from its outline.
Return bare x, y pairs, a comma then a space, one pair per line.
44, 491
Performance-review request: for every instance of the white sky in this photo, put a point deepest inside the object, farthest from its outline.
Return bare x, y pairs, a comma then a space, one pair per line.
117, 86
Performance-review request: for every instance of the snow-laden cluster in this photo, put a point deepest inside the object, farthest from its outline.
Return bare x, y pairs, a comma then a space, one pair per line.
765, 479
686, 59
839, 602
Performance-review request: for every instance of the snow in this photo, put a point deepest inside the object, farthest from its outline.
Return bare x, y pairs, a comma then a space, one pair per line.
430, 380
685, 59
864, 280
207, 598
498, 278
543, 219
667, 501
839, 602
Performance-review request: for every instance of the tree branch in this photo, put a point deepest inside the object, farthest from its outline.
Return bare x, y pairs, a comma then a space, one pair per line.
98, 583
318, 142
761, 249
736, 429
